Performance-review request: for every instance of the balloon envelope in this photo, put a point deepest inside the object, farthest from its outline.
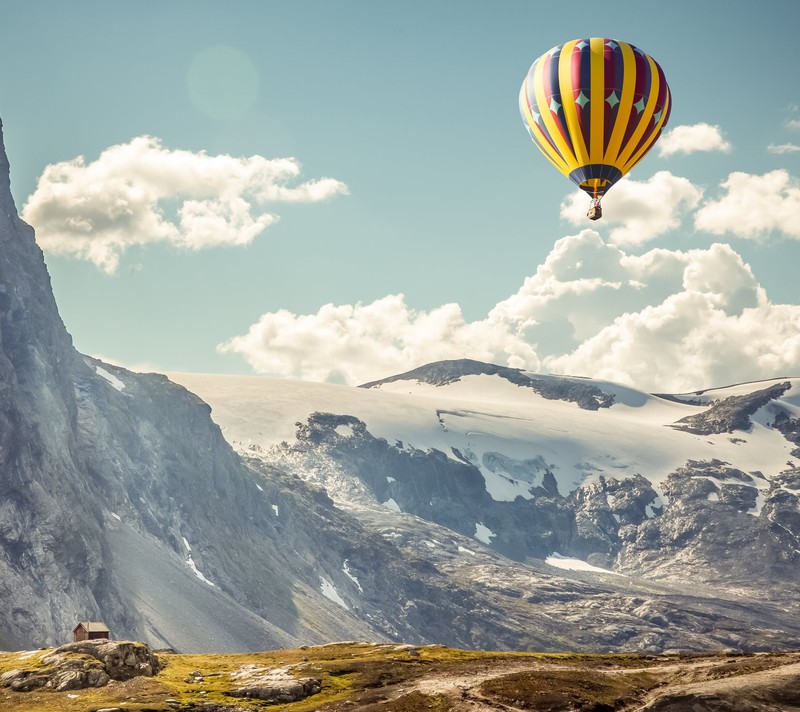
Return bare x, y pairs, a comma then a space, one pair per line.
594, 107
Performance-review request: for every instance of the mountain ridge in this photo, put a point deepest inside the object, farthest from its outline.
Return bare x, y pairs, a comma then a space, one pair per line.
702, 510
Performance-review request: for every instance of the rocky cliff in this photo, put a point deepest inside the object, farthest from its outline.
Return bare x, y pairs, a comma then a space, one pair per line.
121, 501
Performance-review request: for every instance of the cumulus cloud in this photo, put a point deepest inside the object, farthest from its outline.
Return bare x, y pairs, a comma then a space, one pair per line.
781, 148
362, 342
667, 320
141, 192
639, 210
692, 139
754, 206
686, 343
793, 124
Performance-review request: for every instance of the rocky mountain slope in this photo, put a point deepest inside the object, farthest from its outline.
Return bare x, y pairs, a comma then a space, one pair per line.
677, 513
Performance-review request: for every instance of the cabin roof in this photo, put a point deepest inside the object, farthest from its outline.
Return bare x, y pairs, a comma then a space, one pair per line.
92, 627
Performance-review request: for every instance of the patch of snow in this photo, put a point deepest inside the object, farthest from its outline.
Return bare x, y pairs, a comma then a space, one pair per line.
760, 489
112, 379
260, 488
350, 575
462, 550
327, 589
73, 697
193, 566
505, 489
429, 544
390, 480
755, 510
197, 571
27, 654
116, 516
391, 504
483, 533
276, 510
570, 564
713, 497
345, 430
616, 517
740, 389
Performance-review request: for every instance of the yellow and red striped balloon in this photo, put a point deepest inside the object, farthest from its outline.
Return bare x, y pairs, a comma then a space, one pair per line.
594, 107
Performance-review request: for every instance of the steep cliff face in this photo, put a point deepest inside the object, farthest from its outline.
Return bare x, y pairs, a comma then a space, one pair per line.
121, 501
47, 566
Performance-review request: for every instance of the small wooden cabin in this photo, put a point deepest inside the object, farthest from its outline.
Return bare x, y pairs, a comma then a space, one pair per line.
91, 630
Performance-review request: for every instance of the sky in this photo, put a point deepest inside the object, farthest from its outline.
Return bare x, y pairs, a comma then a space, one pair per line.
342, 190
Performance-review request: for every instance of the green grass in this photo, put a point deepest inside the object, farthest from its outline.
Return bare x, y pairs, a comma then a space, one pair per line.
368, 678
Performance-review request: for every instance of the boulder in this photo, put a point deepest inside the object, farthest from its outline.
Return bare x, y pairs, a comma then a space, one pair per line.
85, 664
274, 686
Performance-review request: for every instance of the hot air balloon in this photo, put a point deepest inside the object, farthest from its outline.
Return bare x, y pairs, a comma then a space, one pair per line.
594, 107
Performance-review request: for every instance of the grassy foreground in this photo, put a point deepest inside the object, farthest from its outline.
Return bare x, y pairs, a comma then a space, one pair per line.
397, 678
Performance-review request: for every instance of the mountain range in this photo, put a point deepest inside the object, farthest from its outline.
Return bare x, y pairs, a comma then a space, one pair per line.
462, 503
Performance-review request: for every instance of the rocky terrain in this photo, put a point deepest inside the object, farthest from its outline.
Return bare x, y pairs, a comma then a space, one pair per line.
407, 678
79, 665
576, 526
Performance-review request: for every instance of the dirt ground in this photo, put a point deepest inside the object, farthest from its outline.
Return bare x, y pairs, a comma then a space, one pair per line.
748, 683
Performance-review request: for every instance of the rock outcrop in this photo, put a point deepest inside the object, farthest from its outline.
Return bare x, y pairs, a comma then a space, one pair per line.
441, 373
86, 664
272, 685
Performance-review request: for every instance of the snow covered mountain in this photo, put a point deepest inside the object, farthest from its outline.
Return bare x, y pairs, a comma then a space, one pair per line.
693, 492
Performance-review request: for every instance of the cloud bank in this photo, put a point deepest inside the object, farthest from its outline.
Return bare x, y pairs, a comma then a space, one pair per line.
692, 139
140, 192
666, 320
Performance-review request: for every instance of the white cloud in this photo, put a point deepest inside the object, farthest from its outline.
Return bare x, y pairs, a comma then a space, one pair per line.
692, 139
362, 342
666, 320
793, 124
754, 206
141, 192
642, 210
780, 148
686, 343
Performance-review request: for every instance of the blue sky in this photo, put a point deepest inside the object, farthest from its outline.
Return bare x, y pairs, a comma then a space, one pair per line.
435, 191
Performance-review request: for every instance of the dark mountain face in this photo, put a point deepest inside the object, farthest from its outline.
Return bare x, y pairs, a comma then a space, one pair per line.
41, 487
441, 373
